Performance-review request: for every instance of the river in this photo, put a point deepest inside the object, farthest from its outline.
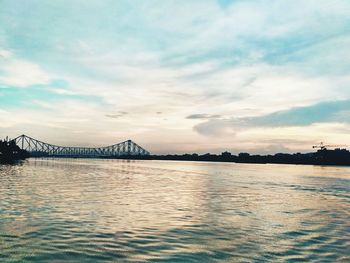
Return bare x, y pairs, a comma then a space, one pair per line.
88, 210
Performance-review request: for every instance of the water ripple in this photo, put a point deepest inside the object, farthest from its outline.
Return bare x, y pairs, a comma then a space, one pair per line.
152, 211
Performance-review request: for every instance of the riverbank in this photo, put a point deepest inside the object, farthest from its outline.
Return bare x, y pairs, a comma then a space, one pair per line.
321, 157
10, 152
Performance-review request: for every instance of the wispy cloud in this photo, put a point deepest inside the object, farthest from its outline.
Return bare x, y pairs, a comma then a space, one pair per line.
333, 111
202, 116
323, 112
116, 116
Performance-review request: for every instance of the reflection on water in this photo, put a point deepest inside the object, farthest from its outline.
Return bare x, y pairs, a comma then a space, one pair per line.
159, 211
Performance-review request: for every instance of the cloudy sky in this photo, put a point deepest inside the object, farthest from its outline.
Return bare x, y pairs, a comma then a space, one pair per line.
177, 76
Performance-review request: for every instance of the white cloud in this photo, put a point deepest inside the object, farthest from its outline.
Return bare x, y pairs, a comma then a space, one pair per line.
4, 54
21, 73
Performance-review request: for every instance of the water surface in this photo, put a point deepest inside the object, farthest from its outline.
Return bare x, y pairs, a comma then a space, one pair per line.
81, 210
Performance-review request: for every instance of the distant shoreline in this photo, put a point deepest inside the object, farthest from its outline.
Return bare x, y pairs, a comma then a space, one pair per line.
217, 161
322, 157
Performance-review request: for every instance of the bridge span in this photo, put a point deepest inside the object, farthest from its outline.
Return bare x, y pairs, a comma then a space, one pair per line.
41, 149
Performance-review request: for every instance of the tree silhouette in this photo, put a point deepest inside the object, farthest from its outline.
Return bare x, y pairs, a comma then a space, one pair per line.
9, 152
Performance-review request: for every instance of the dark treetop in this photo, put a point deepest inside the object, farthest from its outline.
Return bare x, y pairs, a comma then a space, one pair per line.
10, 152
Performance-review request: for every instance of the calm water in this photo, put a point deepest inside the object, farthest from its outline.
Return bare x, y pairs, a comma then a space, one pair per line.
157, 211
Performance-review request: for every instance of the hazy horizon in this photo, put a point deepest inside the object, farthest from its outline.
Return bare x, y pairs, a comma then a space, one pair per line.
177, 76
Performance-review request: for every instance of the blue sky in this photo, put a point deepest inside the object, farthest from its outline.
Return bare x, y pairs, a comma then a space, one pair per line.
177, 76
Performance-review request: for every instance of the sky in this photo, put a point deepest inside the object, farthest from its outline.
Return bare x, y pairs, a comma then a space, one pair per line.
177, 76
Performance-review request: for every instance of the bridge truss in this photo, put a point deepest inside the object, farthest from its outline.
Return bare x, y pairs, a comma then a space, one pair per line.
41, 149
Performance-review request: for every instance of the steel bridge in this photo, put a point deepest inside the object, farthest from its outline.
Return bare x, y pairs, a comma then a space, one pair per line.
41, 149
